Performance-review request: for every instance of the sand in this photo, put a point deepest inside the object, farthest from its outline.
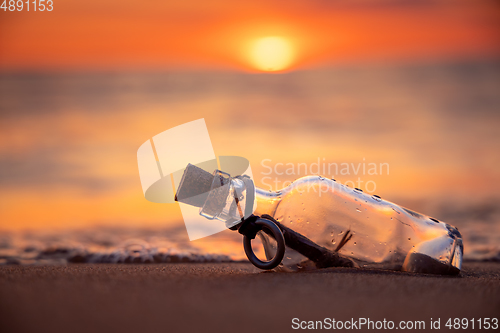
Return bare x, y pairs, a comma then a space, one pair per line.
231, 297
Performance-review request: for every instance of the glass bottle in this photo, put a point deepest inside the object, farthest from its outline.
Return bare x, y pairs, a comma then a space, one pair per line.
327, 224
364, 229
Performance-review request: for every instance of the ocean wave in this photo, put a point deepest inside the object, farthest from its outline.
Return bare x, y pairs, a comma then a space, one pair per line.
131, 245
105, 245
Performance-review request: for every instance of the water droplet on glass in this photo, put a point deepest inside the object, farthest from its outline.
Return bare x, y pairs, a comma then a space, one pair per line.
357, 209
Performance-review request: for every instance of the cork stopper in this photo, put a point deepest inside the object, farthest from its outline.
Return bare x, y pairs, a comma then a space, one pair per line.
217, 198
194, 186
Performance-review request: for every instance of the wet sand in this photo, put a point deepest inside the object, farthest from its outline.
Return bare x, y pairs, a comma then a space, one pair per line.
231, 297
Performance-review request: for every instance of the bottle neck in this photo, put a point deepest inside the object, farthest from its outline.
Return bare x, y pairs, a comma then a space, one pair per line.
267, 201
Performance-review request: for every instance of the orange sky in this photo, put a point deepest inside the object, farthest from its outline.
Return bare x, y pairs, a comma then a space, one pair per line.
68, 143
126, 34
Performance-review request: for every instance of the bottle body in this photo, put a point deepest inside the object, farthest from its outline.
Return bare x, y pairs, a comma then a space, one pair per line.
366, 229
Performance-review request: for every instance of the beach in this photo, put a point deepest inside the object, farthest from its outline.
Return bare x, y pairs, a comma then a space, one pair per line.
232, 297
367, 131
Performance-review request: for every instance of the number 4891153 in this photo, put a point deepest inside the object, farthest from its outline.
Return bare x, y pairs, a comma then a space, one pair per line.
19, 5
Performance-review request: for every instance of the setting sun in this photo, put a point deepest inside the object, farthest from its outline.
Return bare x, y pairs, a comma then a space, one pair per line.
271, 54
